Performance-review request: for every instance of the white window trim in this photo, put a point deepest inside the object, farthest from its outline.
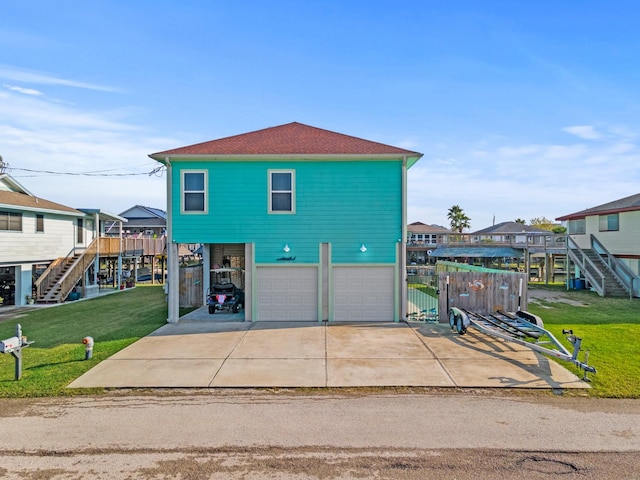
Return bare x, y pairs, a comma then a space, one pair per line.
293, 192
183, 191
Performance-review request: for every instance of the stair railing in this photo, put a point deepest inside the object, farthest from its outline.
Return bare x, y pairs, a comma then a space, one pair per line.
47, 279
73, 274
623, 273
591, 272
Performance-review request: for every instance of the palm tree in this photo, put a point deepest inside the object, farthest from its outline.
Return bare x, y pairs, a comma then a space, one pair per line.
459, 221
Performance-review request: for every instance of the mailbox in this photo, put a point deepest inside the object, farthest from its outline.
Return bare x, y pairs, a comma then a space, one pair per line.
10, 344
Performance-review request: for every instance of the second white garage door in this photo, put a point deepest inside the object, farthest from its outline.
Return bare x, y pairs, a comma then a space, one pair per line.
287, 293
363, 294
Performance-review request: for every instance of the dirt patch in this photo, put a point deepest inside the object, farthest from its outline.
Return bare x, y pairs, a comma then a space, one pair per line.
540, 296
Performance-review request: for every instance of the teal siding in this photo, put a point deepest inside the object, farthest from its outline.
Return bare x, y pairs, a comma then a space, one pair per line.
342, 203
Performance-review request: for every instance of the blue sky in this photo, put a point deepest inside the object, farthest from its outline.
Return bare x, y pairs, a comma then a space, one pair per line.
522, 109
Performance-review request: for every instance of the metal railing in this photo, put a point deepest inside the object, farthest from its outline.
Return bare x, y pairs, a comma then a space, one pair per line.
591, 272
623, 273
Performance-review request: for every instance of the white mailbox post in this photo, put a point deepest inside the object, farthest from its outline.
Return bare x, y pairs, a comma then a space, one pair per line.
14, 346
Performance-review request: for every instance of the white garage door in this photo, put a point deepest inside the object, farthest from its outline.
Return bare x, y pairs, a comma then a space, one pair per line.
287, 293
363, 294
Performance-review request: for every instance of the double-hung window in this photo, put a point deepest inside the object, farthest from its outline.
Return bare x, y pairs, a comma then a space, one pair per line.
577, 227
39, 223
194, 191
10, 221
282, 191
609, 223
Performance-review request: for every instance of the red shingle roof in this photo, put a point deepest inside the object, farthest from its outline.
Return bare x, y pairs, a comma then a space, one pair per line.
289, 139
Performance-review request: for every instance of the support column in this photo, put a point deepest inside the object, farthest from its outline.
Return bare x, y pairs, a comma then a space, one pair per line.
401, 255
173, 288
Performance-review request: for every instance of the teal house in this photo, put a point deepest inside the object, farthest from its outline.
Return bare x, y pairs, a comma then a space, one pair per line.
315, 219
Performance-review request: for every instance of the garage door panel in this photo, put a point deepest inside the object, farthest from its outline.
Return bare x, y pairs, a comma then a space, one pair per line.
287, 293
363, 293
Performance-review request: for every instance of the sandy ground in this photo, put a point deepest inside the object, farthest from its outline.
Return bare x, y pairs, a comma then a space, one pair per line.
537, 294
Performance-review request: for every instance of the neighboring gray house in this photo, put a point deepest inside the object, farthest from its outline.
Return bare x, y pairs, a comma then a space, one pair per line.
141, 221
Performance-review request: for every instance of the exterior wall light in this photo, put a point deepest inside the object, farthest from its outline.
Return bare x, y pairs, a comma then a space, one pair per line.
363, 248
286, 248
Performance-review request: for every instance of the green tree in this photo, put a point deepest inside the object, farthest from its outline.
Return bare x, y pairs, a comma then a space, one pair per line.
520, 220
458, 220
543, 223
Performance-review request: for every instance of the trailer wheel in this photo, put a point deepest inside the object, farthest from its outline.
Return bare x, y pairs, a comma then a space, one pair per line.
212, 309
460, 325
452, 319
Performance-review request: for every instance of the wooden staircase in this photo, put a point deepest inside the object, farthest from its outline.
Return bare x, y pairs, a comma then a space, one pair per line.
60, 278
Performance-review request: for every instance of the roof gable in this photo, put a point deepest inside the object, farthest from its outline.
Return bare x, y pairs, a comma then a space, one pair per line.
288, 139
10, 184
139, 212
626, 204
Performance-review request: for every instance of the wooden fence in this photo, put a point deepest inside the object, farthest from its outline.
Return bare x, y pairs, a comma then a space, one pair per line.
190, 282
481, 292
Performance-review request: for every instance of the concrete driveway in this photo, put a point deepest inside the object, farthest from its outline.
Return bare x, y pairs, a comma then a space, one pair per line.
206, 351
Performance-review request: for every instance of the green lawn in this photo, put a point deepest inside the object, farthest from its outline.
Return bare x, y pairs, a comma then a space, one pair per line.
57, 356
610, 329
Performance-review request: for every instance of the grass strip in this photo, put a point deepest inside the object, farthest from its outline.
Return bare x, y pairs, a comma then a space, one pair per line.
610, 329
57, 356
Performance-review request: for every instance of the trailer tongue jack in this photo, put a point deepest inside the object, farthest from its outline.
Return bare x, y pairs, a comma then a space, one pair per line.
524, 329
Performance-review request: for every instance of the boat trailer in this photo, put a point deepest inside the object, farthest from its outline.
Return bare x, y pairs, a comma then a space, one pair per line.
524, 329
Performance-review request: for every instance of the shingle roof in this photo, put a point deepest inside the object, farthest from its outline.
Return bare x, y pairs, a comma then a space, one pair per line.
626, 204
419, 227
511, 228
288, 139
22, 200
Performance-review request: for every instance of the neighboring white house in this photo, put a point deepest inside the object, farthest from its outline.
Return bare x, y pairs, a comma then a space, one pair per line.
616, 226
33, 233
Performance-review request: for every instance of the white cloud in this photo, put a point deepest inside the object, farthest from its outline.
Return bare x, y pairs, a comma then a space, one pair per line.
17, 75
587, 132
24, 91
36, 134
523, 181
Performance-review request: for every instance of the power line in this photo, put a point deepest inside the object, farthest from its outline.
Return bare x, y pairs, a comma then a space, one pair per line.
157, 171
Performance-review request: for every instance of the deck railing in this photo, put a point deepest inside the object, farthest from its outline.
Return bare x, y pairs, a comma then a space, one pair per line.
520, 240
131, 247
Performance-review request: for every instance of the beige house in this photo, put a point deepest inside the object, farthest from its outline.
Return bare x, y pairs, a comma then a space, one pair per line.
607, 237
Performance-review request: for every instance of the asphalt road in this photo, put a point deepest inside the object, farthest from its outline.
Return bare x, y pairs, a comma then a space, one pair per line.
257, 434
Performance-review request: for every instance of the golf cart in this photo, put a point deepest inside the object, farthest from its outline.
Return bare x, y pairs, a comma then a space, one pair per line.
223, 293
